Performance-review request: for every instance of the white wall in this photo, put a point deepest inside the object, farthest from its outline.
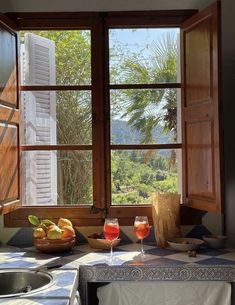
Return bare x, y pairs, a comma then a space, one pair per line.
98, 5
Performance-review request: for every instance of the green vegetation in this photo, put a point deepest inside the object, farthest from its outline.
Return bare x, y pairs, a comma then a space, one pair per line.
135, 174
73, 114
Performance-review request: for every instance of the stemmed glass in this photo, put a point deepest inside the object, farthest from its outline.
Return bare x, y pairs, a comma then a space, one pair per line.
141, 228
111, 232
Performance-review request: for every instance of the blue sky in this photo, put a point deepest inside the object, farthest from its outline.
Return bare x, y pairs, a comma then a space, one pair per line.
138, 39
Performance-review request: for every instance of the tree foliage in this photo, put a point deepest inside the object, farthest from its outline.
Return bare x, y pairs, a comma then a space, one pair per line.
73, 114
145, 109
134, 174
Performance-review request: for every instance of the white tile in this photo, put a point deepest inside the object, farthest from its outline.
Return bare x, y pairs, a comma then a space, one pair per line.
183, 257
134, 247
134, 256
92, 257
86, 248
229, 256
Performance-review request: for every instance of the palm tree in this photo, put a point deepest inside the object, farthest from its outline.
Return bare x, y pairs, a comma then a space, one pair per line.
147, 108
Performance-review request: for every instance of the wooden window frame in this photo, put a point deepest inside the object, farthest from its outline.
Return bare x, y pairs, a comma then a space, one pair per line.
10, 116
98, 23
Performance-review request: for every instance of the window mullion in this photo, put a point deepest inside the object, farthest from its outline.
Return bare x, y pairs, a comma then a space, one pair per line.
98, 117
108, 186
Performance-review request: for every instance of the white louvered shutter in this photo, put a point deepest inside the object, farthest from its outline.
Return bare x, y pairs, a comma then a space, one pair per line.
40, 167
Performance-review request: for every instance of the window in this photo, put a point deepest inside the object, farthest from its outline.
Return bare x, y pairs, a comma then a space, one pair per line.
101, 107
137, 57
52, 177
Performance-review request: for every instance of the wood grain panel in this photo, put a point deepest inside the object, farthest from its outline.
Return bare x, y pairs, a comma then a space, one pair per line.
10, 189
200, 177
10, 115
8, 67
198, 55
202, 188
9, 160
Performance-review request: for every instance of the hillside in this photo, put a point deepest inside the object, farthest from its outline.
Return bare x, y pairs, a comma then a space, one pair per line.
122, 133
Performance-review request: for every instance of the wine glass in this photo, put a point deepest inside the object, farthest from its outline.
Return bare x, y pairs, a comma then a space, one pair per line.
111, 232
141, 228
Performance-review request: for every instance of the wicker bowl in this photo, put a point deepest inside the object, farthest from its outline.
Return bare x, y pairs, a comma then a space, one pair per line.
54, 245
101, 243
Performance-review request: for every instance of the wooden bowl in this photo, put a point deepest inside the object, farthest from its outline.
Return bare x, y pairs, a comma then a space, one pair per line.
101, 243
54, 245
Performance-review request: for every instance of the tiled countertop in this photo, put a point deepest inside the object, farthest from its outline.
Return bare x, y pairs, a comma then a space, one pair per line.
158, 264
65, 280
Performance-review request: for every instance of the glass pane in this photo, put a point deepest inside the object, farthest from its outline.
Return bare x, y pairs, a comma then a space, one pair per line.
136, 174
61, 117
57, 178
145, 55
56, 57
143, 116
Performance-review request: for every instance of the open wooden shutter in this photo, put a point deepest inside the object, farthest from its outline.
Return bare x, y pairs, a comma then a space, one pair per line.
38, 60
200, 113
10, 193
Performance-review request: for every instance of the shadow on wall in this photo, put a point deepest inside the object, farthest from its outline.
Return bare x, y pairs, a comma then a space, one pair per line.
6, 233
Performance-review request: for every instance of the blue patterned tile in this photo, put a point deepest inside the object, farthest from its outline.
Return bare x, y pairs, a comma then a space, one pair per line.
212, 252
18, 264
160, 251
156, 262
41, 301
65, 278
215, 261
58, 292
165, 262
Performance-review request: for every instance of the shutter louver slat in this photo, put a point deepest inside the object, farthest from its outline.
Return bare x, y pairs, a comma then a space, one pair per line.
40, 70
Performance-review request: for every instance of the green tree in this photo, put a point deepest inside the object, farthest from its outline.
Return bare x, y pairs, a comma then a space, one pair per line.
145, 109
73, 113
134, 175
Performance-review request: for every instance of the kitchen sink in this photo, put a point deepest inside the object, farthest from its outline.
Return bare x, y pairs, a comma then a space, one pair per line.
17, 282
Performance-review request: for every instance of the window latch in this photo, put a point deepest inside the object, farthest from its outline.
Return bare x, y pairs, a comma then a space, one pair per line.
95, 210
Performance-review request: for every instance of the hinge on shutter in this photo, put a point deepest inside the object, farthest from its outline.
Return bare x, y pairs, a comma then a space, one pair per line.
186, 201
95, 210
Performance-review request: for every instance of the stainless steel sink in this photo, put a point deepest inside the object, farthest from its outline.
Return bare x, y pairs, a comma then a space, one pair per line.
17, 282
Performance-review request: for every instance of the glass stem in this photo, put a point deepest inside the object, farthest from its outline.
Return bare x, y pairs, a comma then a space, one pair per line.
111, 251
141, 247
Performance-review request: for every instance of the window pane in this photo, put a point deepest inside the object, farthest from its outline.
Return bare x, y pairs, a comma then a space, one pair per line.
61, 117
144, 116
56, 57
145, 55
57, 177
136, 174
